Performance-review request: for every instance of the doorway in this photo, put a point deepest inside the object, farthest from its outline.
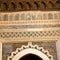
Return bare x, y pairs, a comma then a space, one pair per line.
30, 52
30, 57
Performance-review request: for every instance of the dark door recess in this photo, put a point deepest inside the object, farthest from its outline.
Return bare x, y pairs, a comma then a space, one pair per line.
30, 57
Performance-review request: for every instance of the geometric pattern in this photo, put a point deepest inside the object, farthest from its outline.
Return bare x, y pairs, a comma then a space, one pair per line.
29, 34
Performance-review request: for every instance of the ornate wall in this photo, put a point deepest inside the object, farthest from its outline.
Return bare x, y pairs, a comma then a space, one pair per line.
38, 27
25, 5
10, 47
35, 21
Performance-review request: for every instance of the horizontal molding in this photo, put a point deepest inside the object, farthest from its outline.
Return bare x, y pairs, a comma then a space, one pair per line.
30, 15
22, 5
32, 22
29, 26
21, 40
30, 34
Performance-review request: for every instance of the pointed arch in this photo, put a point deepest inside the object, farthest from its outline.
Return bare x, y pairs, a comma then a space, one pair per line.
21, 5
57, 4
30, 49
29, 5
13, 6
36, 4
5, 6
44, 4
51, 4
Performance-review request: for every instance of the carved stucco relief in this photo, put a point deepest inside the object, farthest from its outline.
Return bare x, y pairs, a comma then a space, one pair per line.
29, 34
33, 49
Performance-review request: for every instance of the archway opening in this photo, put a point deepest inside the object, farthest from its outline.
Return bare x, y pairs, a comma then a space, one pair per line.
30, 57
30, 52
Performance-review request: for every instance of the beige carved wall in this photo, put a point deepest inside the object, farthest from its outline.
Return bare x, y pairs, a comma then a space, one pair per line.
44, 30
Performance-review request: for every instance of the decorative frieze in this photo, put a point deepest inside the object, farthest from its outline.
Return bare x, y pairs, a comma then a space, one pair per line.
30, 15
29, 34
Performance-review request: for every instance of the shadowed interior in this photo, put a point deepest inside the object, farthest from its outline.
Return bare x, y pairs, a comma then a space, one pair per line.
30, 57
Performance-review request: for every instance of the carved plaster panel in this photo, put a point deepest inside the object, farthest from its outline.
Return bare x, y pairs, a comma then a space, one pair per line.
34, 49
29, 34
